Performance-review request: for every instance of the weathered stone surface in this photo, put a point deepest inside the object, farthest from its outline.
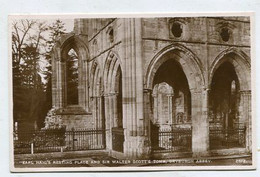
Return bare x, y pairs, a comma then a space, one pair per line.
118, 75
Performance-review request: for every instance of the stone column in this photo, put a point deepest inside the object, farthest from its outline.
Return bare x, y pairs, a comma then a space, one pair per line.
62, 84
95, 117
54, 82
108, 124
80, 83
245, 116
111, 112
100, 112
170, 108
200, 124
59, 85
83, 85
147, 94
155, 108
132, 88
98, 119
94, 113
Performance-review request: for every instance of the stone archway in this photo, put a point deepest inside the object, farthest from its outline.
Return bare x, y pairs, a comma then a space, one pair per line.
236, 113
113, 103
191, 65
241, 63
192, 70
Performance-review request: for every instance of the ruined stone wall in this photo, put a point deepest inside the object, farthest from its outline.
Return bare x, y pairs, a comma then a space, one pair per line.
201, 38
200, 35
138, 46
77, 122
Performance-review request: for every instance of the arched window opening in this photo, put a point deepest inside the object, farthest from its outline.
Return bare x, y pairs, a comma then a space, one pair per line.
72, 78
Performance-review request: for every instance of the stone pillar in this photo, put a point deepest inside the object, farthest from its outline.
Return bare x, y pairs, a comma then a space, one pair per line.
59, 85
170, 108
83, 86
100, 113
155, 108
245, 117
200, 124
147, 119
133, 119
62, 83
54, 82
99, 120
108, 124
111, 112
143, 132
94, 112
80, 83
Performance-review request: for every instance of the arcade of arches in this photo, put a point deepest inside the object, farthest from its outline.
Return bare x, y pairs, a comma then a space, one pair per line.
152, 103
171, 107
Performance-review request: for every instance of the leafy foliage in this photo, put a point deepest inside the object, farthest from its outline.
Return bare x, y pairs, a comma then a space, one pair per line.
31, 58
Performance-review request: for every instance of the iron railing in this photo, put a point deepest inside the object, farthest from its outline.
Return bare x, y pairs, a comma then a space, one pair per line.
227, 138
85, 139
172, 140
58, 140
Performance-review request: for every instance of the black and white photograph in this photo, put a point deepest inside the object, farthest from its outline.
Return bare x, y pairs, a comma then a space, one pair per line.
118, 92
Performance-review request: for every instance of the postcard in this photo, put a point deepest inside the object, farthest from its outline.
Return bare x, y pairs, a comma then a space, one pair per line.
124, 92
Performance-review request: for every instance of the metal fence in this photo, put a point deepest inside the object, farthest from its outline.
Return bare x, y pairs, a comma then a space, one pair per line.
58, 140
227, 138
173, 140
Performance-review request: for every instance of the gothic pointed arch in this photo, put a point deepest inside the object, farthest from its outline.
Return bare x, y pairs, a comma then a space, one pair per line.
96, 96
112, 63
230, 99
190, 63
182, 70
96, 84
241, 63
113, 100
66, 44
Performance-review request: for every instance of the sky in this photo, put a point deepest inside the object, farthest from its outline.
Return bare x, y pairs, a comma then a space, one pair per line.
68, 23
